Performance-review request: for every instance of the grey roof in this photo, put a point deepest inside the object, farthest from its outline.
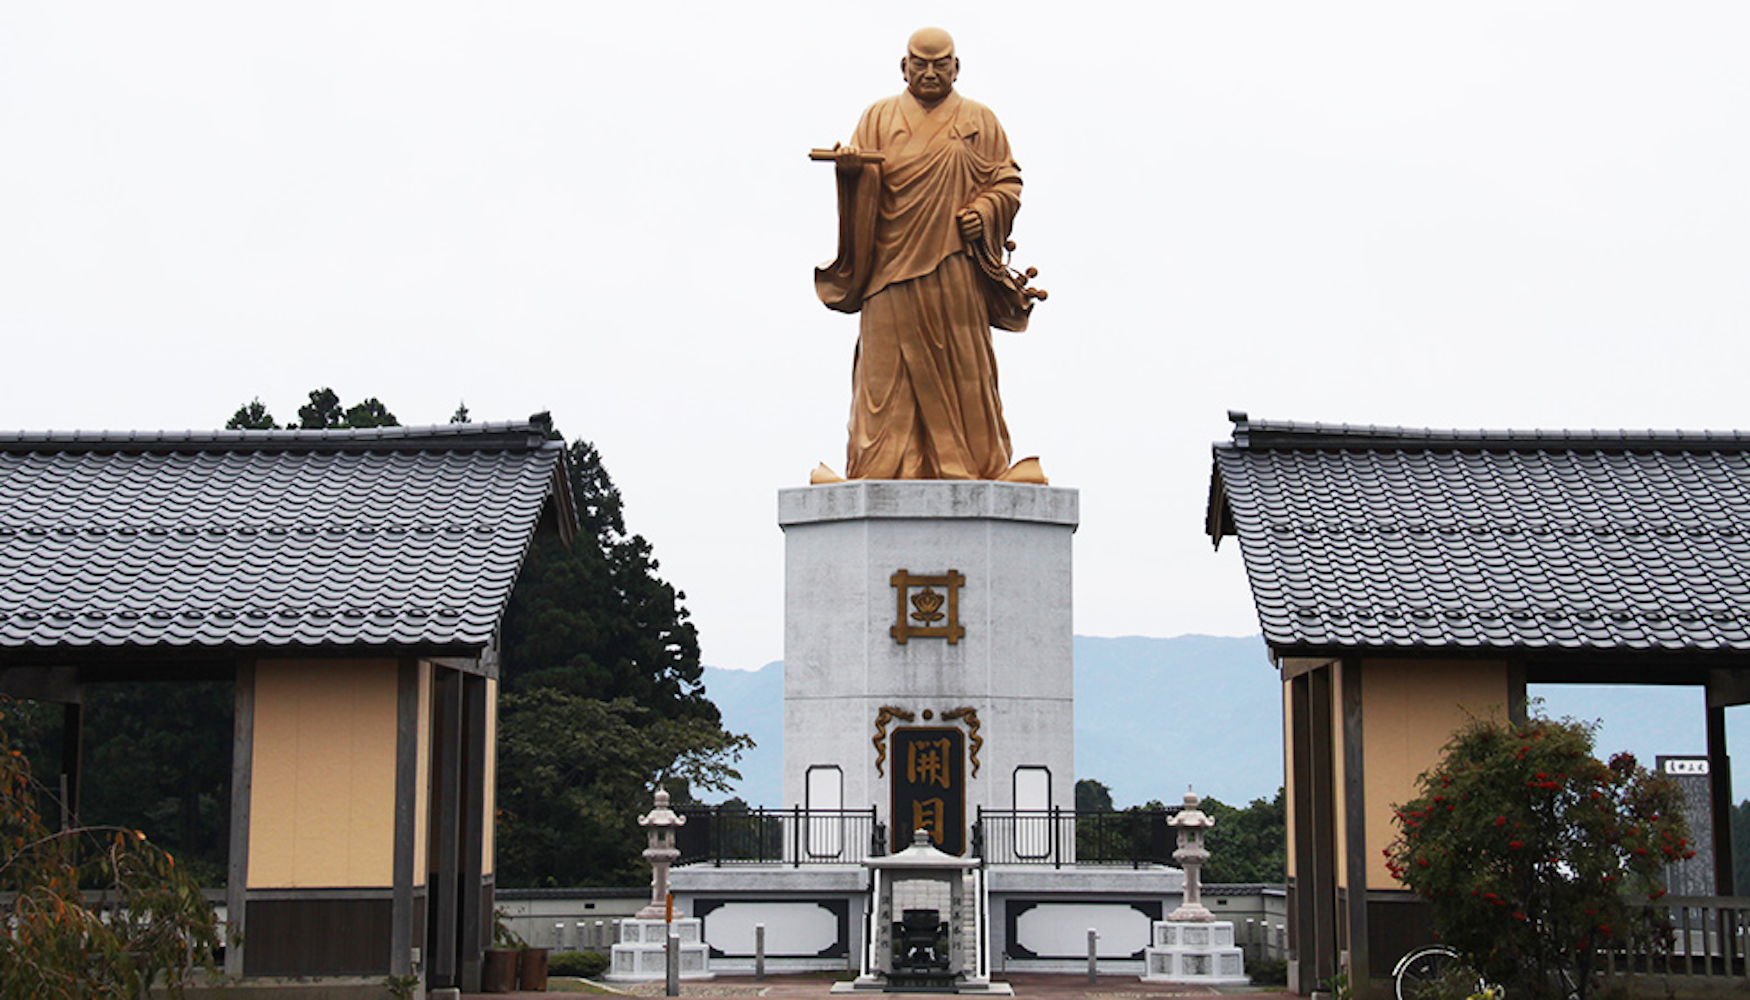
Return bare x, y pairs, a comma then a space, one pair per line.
386, 538
1392, 538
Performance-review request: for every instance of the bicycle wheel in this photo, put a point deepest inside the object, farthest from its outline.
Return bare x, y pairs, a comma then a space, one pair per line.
1420, 970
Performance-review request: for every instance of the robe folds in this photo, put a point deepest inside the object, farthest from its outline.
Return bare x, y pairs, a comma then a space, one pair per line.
924, 381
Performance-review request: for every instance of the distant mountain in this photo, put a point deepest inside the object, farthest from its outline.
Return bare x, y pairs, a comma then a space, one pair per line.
752, 702
1154, 715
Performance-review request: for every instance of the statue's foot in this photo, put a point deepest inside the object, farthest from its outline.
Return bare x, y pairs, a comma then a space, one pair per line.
1027, 470
823, 475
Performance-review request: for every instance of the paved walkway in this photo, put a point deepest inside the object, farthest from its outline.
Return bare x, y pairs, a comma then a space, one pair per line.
1037, 986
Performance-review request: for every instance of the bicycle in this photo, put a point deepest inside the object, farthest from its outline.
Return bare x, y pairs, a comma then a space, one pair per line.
1418, 972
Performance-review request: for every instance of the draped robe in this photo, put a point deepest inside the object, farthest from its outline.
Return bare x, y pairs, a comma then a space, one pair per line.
924, 380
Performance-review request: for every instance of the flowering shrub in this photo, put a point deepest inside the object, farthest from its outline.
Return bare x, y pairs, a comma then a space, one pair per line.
1533, 853
94, 912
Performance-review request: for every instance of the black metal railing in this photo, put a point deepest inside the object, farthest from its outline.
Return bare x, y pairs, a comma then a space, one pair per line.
1058, 837
796, 836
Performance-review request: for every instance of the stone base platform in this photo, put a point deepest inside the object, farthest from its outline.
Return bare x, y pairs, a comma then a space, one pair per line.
642, 954
1201, 952
875, 984
1038, 920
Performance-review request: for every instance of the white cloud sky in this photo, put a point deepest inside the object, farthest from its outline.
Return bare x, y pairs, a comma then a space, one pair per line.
1480, 214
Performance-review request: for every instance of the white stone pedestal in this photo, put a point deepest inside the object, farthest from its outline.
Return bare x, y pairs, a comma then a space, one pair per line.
858, 662
642, 955
1200, 952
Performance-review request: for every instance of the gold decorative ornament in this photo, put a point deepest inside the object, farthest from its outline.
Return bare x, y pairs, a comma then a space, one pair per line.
925, 617
970, 714
887, 714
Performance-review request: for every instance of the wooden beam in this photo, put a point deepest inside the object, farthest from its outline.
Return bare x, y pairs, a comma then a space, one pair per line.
53, 684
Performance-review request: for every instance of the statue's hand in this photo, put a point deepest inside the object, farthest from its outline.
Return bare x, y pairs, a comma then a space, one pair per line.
971, 225
848, 159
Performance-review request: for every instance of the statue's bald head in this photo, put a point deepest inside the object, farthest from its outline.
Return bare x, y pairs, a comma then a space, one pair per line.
930, 43
930, 66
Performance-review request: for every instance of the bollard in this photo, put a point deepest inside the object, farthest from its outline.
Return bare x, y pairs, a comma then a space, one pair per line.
759, 951
674, 965
1093, 957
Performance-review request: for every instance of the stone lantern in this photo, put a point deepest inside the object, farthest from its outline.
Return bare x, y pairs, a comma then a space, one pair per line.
661, 823
1191, 946
641, 954
1191, 855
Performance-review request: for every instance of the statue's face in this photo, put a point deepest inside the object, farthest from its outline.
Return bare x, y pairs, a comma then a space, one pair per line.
930, 79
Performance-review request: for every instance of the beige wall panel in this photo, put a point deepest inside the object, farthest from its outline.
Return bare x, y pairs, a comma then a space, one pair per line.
322, 800
422, 775
1409, 711
489, 842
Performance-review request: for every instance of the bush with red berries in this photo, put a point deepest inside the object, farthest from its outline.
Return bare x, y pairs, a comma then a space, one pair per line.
1535, 855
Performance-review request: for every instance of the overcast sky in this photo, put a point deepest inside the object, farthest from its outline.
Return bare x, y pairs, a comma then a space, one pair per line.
1466, 214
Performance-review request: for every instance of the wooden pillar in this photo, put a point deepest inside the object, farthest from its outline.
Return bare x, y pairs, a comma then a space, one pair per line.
476, 896
242, 777
443, 877
1324, 833
1355, 846
72, 761
407, 713
1719, 769
1300, 909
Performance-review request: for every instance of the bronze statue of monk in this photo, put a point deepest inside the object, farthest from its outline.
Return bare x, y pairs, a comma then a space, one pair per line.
927, 194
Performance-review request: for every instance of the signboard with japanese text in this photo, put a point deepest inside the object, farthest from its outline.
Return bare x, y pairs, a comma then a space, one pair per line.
929, 787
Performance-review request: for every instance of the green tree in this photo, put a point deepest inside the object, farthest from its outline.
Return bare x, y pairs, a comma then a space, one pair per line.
158, 757
370, 413
575, 771
461, 414
1250, 844
593, 633
90, 911
1093, 796
594, 618
1530, 851
251, 416
321, 412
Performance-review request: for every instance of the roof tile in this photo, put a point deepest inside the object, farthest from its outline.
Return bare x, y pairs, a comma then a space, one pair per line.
397, 537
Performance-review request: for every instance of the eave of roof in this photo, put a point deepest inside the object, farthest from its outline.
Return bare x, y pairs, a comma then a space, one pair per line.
1400, 540
384, 539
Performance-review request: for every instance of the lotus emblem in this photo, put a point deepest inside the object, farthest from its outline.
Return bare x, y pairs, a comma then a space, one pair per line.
929, 606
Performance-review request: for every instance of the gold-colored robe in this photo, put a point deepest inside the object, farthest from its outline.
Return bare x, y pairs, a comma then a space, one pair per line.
924, 382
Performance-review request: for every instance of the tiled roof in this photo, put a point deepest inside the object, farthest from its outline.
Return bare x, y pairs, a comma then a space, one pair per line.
1368, 537
387, 538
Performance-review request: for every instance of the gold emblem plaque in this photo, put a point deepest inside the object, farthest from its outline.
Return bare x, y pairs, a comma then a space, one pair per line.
925, 612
